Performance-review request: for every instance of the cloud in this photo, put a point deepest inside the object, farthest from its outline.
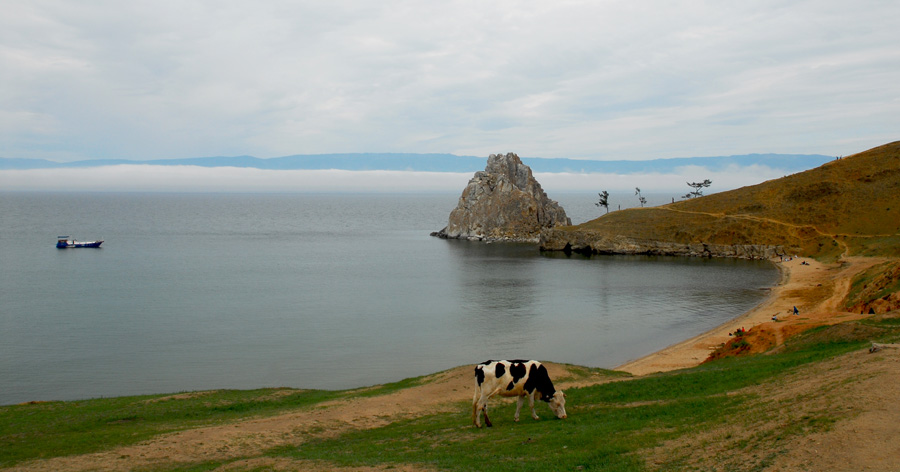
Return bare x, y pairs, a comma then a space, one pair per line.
585, 79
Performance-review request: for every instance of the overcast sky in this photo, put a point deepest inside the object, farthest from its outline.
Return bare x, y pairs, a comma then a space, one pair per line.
578, 79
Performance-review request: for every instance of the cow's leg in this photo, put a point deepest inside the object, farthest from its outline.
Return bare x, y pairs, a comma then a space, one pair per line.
476, 409
479, 406
519, 401
531, 404
484, 402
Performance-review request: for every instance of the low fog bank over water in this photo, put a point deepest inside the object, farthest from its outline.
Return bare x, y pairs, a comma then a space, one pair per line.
195, 179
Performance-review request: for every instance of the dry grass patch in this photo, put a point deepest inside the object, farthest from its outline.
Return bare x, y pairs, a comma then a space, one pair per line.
819, 404
843, 207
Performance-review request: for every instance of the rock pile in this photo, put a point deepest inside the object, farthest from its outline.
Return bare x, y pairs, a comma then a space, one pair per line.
503, 203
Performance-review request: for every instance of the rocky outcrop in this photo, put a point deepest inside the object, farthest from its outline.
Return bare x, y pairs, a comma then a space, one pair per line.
587, 242
503, 203
877, 294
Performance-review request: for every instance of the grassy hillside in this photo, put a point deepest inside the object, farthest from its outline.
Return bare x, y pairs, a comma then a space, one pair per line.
734, 414
849, 206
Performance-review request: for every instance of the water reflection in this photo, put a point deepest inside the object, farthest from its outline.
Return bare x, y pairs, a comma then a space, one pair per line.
498, 287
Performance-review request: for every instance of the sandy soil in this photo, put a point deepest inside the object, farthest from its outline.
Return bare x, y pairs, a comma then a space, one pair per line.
816, 290
863, 440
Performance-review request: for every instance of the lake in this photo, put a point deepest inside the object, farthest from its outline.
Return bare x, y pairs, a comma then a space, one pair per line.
208, 291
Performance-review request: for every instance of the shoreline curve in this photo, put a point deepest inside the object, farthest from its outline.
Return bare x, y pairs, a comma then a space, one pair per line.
801, 283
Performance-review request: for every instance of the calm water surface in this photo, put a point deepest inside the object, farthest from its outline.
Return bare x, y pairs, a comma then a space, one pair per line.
195, 292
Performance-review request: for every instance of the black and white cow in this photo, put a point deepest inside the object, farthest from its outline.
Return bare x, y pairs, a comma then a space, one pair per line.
516, 378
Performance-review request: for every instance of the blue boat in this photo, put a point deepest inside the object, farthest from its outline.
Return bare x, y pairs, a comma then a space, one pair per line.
64, 242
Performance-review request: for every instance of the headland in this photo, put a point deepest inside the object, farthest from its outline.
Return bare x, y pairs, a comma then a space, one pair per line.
824, 228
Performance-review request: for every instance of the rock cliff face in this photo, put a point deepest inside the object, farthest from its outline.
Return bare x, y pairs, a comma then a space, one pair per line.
504, 202
587, 242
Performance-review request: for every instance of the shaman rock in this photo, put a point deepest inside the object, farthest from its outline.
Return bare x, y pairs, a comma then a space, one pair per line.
504, 202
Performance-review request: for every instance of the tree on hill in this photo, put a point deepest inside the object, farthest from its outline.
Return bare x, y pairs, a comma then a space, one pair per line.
604, 200
697, 188
637, 191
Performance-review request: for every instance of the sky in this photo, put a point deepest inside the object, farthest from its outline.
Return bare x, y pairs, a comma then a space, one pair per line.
576, 79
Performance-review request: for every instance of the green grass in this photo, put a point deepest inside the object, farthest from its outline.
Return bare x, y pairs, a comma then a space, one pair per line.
610, 426
389, 388
578, 372
52, 429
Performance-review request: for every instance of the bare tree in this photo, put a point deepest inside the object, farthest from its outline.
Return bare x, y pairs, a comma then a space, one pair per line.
604, 200
697, 188
637, 191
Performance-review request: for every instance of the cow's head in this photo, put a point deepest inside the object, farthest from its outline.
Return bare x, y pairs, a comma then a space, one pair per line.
558, 404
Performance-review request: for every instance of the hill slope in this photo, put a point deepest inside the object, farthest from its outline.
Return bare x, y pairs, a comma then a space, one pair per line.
849, 206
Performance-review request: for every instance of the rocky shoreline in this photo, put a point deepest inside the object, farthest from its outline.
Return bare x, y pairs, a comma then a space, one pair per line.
588, 242
442, 234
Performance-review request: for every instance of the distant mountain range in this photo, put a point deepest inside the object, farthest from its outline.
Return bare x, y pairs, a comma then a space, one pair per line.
444, 163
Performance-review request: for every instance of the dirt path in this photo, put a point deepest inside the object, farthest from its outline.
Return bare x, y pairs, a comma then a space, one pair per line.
860, 390
856, 391
837, 237
441, 392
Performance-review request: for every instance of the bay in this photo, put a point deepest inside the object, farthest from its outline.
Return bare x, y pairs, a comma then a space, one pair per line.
206, 291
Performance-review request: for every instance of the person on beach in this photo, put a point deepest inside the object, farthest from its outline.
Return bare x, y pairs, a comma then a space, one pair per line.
796, 311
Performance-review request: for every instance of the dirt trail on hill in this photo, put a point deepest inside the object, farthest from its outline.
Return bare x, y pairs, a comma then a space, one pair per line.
740, 216
441, 392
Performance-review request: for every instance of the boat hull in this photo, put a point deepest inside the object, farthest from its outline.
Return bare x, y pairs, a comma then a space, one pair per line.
74, 244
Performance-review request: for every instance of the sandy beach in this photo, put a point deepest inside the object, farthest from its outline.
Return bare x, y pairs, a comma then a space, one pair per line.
816, 289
